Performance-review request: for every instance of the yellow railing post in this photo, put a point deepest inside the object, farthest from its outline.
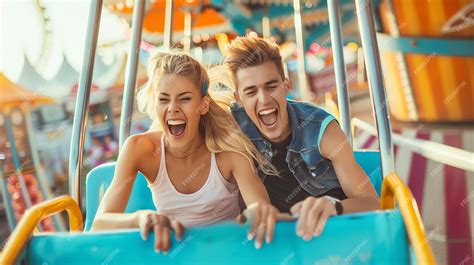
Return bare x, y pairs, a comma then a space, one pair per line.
393, 189
31, 219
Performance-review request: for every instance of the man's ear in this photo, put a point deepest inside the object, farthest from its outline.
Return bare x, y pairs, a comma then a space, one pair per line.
237, 98
287, 84
204, 107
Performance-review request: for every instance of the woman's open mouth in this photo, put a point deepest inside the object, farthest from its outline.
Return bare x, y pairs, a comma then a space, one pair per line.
268, 116
176, 127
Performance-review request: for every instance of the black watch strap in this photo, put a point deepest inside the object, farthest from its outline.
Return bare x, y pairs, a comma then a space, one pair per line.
339, 209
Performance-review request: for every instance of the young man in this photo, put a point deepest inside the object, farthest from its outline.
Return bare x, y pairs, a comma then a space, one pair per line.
318, 175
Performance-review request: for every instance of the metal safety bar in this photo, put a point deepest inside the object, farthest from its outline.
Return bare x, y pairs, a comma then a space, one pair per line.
82, 102
376, 85
131, 72
340, 67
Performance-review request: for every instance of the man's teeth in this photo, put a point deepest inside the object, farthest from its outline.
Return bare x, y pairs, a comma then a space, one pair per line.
176, 122
267, 111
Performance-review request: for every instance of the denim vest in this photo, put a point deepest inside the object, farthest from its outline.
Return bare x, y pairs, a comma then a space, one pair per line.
314, 172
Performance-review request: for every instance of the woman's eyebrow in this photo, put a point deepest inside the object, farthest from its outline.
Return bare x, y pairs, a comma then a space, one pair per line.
167, 95
185, 93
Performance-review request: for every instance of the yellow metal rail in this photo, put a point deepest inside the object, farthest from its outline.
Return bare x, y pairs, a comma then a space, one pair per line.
31, 219
394, 190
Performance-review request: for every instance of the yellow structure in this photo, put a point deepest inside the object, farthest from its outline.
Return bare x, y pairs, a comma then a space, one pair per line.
32, 218
394, 190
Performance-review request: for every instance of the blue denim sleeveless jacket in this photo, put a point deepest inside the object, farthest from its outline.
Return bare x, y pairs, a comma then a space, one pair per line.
315, 173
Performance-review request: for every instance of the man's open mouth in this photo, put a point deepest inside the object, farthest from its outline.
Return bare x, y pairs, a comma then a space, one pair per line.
176, 127
268, 116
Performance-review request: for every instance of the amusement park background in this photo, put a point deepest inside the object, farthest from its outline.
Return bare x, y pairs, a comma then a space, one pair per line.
42, 46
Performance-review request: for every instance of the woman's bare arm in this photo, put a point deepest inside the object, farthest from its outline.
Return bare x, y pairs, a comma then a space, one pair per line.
262, 213
250, 185
110, 214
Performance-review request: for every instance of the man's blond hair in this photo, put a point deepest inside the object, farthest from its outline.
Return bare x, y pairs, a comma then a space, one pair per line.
249, 51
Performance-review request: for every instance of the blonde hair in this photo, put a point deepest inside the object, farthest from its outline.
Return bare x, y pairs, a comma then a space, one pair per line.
221, 131
249, 51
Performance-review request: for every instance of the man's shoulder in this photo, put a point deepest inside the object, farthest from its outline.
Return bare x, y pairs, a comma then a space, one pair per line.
239, 114
308, 112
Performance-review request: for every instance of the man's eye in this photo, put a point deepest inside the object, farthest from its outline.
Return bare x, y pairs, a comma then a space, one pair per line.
271, 87
185, 99
250, 93
163, 100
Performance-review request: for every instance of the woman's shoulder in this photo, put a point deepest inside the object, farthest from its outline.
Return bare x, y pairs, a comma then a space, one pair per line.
143, 143
143, 152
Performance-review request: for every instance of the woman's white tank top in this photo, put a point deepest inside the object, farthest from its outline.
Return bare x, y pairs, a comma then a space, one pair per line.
215, 201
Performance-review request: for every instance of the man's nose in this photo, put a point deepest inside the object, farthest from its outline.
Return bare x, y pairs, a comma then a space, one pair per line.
262, 96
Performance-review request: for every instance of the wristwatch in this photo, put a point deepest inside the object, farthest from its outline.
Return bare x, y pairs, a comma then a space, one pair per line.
337, 203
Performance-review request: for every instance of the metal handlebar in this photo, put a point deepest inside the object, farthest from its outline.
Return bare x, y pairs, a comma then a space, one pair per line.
340, 67
131, 72
376, 85
82, 102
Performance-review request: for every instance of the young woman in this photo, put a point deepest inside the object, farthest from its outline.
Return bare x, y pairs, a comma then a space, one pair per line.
195, 159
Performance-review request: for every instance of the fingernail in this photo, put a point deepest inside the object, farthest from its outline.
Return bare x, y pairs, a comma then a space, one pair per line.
249, 237
157, 250
267, 239
165, 252
299, 232
258, 245
306, 238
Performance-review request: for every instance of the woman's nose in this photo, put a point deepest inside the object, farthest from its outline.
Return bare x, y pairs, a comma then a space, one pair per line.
173, 108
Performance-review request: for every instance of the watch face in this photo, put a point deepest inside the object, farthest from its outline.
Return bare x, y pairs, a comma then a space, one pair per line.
17, 117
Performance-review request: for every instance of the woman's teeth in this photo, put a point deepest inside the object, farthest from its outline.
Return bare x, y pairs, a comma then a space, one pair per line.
176, 122
176, 127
